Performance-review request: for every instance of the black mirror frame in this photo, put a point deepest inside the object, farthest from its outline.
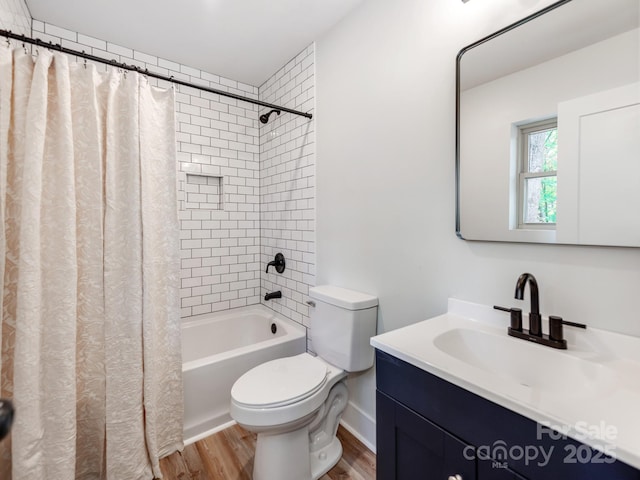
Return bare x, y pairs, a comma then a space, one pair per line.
506, 29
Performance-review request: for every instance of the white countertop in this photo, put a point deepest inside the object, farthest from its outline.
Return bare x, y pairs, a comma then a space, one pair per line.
598, 406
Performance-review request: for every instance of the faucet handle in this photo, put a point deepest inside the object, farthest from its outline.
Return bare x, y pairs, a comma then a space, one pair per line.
574, 324
516, 316
555, 328
277, 262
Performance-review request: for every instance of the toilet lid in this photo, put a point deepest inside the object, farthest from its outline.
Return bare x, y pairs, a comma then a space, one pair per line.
280, 382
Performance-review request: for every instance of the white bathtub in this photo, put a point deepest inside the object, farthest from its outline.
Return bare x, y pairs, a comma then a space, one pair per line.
217, 349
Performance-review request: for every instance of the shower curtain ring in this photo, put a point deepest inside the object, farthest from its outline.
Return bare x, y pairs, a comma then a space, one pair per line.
173, 85
85, 60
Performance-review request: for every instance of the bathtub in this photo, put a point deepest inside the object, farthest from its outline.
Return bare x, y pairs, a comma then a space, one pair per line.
217, 349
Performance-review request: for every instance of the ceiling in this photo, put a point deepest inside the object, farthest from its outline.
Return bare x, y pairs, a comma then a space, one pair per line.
244, 40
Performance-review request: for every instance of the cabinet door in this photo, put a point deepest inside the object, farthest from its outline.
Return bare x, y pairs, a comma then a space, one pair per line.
412, 448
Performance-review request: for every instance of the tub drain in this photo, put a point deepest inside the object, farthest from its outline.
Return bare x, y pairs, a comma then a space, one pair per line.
274, 328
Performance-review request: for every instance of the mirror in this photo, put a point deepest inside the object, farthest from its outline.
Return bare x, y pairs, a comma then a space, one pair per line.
548, 128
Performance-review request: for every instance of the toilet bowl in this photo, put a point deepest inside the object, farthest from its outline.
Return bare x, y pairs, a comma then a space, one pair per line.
294, 404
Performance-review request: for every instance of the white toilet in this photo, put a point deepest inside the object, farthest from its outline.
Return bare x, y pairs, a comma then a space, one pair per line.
294, 404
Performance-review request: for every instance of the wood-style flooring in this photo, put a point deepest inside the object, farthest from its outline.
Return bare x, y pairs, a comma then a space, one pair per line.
228, 455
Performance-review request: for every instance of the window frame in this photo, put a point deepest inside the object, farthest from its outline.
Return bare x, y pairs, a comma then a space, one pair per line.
524, 174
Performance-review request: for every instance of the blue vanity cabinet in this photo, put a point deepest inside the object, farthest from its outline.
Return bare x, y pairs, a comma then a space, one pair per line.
428, 428
412, 446
409, 446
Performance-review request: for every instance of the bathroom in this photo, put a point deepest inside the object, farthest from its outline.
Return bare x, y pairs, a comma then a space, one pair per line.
363, 195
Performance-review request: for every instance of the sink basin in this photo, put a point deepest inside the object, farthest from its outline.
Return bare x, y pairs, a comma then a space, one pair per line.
526, 364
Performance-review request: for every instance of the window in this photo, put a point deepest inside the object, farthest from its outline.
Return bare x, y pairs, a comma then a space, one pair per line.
538, 178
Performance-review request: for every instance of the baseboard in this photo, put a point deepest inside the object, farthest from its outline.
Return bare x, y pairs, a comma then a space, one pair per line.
190, 437
360, 425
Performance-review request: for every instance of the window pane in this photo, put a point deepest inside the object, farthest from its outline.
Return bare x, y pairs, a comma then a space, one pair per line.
540, 200
543, 150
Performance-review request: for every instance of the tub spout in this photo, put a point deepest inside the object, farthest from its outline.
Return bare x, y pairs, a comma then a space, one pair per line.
271, 295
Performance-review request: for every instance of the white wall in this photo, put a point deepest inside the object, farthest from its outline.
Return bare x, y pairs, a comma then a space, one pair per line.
385, 82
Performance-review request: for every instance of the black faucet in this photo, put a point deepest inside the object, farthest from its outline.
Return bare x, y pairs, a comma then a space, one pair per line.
271, 295
534, 334
535, 321
277, 262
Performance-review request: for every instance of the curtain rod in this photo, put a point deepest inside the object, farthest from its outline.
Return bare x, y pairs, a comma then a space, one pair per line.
124, 66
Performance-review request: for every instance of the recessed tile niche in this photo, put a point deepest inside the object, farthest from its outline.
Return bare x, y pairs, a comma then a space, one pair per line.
203, 192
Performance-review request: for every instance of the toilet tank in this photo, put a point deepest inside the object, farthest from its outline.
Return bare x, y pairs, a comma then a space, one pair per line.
342, 323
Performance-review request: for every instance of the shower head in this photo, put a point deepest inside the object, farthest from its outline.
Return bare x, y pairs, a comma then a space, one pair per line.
264, 118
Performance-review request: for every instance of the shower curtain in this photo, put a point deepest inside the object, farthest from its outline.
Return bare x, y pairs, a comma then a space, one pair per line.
89, 271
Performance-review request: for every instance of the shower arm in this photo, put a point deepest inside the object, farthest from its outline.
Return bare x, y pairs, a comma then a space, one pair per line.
264, 118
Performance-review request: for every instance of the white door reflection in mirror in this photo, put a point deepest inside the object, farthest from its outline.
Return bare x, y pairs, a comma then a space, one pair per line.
600, 171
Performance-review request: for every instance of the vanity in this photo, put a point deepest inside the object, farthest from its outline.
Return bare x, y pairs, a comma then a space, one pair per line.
458, 398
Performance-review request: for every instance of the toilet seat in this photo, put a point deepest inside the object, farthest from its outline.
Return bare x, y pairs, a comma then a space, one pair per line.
280, 382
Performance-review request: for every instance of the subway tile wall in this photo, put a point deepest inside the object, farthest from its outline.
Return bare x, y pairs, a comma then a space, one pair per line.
247, 190
287, 186
14, 16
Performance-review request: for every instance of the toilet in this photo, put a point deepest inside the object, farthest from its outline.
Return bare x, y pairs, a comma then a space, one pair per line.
294, 403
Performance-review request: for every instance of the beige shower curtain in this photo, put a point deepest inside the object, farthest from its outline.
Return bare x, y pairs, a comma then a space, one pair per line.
89, 271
